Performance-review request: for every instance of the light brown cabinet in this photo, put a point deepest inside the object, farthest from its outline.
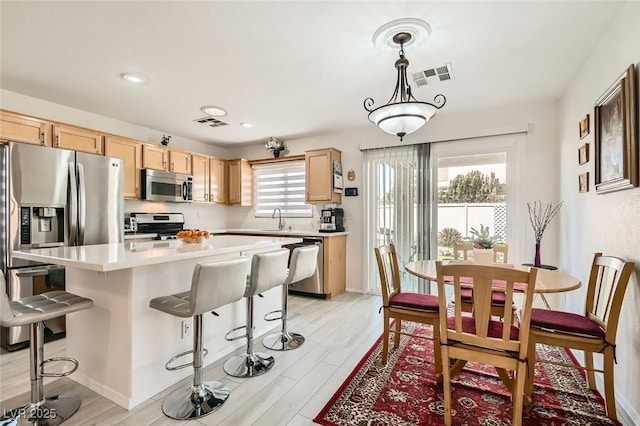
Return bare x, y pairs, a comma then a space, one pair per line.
20, 128
155, 157
319, 176
218, 180
200, 169
77, 139
158, 157
130, 151
179, 161
335, 265
240, 182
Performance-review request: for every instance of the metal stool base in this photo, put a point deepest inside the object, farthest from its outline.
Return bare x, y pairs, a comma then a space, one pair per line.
249, 365
191, 402
50, 412
283, 341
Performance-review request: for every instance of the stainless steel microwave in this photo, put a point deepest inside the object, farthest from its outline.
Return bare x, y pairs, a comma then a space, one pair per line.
166, 186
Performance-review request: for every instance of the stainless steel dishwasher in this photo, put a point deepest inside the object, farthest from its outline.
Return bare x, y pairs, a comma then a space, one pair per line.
314, 285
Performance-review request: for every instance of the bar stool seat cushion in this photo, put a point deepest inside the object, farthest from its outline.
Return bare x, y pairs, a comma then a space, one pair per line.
178, 305
42, 307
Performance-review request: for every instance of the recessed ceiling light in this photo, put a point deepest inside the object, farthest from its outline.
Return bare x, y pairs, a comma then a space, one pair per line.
246, 124
213, 111
133, 78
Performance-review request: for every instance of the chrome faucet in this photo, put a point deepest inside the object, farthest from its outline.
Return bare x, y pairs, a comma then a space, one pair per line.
280, 221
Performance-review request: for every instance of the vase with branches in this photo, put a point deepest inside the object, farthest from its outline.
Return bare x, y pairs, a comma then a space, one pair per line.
540, 218
274, 146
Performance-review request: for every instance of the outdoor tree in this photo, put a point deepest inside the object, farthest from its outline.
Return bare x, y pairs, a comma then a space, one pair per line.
473, 187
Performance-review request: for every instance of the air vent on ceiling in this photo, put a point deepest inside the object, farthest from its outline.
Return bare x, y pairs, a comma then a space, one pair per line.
210, 121
433, 75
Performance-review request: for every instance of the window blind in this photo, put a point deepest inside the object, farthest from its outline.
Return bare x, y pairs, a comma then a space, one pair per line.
280, 185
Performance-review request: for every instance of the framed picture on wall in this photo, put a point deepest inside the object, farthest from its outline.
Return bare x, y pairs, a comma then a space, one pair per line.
583, 182
583, 154
584, 127
616, 136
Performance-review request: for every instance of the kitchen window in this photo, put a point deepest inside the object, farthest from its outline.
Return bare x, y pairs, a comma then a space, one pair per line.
280, 185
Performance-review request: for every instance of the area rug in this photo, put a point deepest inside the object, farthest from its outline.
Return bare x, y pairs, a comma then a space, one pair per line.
404, 392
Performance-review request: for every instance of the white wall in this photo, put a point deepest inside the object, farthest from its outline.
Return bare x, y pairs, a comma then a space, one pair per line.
608, 223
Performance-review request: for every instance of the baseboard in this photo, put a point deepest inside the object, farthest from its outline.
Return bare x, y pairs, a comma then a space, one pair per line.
627, 415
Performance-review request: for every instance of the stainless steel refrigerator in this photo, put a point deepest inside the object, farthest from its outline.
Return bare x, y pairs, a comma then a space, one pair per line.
53, 197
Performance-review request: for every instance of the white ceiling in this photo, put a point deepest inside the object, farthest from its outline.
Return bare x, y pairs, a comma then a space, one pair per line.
292, 68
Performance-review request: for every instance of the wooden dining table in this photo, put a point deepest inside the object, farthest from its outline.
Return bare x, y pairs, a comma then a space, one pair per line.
547, 281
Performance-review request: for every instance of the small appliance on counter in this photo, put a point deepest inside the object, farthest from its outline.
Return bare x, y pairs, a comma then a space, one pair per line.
332, 220
166, 225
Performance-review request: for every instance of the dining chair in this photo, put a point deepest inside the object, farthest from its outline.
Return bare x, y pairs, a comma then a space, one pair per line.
481, 338
399, 305
500, 254
463, 251
594, 331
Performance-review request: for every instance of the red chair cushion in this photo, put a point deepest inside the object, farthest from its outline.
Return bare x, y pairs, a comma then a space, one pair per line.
495, 327
565, 321
497, 298
417, 301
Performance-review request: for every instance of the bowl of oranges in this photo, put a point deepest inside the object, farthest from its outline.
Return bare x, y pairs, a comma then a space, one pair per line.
193, 236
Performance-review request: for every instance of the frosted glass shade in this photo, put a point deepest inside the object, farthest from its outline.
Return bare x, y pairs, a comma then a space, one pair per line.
402, 117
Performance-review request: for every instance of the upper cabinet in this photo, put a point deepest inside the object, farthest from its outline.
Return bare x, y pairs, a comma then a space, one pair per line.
218, 180
319, 166
179, 161
20, 128
77, 139
157, 157
130, 151
200, 169
240, 181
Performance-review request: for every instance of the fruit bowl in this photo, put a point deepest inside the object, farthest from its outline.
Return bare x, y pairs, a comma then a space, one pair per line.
190, 236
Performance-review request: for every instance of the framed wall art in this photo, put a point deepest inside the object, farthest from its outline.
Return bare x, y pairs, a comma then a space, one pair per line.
583, 182
583, 154
616, 136
584, 127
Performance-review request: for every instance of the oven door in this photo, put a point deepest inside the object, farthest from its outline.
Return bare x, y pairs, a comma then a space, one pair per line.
31, 281
166, 186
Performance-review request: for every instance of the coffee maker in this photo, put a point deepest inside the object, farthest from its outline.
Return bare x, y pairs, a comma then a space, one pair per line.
332, 220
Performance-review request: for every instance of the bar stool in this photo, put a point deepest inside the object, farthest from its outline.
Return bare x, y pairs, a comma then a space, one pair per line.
33, 311
268, 270
214, 284
303, 264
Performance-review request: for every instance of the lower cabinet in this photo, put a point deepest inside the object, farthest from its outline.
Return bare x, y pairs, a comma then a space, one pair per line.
335, 265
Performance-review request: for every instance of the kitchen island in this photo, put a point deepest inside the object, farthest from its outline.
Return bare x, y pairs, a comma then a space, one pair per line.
121, 344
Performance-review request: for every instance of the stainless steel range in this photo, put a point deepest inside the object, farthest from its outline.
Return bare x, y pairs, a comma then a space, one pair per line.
166, 225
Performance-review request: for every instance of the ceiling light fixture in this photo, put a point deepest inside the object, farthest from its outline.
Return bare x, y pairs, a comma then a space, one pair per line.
213, 111
133, 78
246, 124
403, 114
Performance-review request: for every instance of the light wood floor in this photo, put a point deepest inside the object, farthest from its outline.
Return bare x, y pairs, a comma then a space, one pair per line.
338, 334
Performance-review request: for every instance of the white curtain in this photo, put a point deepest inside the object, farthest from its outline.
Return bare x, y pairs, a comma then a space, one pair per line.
396, 209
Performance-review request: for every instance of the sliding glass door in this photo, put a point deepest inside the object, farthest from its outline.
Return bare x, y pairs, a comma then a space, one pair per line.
475, 185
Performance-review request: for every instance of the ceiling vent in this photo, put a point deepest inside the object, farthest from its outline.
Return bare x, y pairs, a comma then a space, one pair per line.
210, 121
433, 75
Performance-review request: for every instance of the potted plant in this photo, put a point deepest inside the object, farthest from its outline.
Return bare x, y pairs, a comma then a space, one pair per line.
483, 243
275, 146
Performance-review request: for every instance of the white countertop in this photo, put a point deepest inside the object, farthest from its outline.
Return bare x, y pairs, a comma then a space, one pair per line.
111, 257
284, 233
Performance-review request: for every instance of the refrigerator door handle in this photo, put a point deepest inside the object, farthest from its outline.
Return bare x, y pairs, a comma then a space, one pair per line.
82, 204
73, 205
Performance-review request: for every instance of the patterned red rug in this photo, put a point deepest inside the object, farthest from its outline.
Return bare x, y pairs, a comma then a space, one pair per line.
404, 392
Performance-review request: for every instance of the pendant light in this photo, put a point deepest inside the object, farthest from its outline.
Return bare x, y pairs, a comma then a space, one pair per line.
403, 114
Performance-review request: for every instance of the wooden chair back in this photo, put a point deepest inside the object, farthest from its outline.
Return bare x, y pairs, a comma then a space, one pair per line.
461, 251
501, 253
481, 338
607, 284
388, 268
